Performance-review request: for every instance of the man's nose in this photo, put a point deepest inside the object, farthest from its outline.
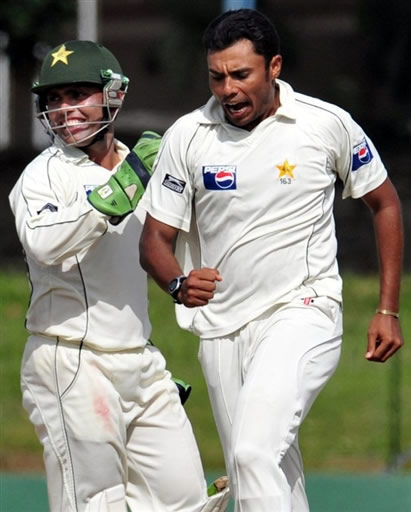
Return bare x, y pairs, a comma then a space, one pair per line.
229, 87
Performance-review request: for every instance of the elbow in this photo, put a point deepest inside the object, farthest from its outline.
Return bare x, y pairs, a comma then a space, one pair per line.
150, 250
156, 243
43, 256
41, 250
144, 260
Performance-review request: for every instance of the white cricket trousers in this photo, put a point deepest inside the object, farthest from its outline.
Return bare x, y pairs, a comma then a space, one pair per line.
262, 381
113, 430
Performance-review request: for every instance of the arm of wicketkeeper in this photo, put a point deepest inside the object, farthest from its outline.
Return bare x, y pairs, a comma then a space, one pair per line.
121, 194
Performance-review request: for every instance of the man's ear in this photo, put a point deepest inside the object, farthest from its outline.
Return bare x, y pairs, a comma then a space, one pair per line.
275, 66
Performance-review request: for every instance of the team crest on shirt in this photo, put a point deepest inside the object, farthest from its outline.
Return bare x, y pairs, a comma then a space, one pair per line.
361, 155
220, 177
89, 188
49, 206
286, 172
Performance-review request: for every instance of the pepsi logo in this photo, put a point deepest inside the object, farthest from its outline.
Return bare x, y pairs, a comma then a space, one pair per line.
220, 177
225, 179
364, 155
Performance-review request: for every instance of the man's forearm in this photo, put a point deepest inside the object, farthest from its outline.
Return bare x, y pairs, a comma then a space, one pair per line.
157, 258
386, 209
389, 236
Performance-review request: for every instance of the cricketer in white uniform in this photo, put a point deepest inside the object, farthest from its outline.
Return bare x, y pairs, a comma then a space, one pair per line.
100, 397
252, 205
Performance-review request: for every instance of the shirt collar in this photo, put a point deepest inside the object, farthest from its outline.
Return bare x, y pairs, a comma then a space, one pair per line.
213, 113
76, 156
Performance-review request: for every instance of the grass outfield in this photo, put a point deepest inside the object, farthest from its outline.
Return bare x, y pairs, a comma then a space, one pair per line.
359, 422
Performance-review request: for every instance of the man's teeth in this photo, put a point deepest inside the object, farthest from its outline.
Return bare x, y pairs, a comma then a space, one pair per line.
73, 122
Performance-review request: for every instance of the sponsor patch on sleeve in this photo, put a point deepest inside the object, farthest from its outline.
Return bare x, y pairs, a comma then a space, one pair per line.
220, 177
361, 155
174, 184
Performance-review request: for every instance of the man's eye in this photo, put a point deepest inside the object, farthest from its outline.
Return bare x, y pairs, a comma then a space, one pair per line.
52, 99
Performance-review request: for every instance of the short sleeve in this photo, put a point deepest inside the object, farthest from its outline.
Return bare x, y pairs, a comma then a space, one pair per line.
358, 164
168, 197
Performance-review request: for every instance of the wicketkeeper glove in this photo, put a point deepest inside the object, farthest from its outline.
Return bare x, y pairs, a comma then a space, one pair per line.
218, 496
184, 389
121, 194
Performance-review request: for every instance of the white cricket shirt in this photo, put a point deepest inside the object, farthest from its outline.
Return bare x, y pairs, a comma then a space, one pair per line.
262, 202
87, 283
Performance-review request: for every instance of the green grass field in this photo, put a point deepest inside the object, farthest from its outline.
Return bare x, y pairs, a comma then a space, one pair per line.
360, 421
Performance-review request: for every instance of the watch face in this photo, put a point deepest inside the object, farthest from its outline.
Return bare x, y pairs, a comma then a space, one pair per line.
173, 285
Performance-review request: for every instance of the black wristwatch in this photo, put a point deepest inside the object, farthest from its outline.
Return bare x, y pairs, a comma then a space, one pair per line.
174, 287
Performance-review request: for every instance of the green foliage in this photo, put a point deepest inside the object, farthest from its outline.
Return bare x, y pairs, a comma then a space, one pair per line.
359, 421
23, 19
16, 434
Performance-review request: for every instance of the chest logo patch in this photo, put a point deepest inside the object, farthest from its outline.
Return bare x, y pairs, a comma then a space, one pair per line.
361, 155
286, 172
220, 177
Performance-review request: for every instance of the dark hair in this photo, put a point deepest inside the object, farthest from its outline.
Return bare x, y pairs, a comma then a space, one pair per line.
232, 26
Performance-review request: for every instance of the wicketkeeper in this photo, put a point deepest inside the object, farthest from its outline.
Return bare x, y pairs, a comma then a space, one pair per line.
103, 404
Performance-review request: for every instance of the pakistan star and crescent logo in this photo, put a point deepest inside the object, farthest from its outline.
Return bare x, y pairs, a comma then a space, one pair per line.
286, 169
61, 55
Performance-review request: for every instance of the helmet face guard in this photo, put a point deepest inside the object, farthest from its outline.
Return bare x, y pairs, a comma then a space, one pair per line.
85, 63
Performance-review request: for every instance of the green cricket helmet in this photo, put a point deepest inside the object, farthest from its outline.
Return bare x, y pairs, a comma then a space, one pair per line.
81, 62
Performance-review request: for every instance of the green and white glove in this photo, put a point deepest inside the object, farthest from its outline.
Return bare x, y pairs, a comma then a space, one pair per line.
218, 496
184, 389
121, 194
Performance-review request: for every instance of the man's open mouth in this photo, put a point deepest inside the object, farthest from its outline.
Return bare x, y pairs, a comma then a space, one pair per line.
236, 108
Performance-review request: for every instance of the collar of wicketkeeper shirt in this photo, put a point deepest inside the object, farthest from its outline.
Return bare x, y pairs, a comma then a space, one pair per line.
76, 156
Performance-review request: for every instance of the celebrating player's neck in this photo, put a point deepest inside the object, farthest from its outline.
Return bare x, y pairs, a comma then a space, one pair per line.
103, 152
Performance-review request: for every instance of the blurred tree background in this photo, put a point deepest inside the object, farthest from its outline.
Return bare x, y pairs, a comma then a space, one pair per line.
25, 28
354, 53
